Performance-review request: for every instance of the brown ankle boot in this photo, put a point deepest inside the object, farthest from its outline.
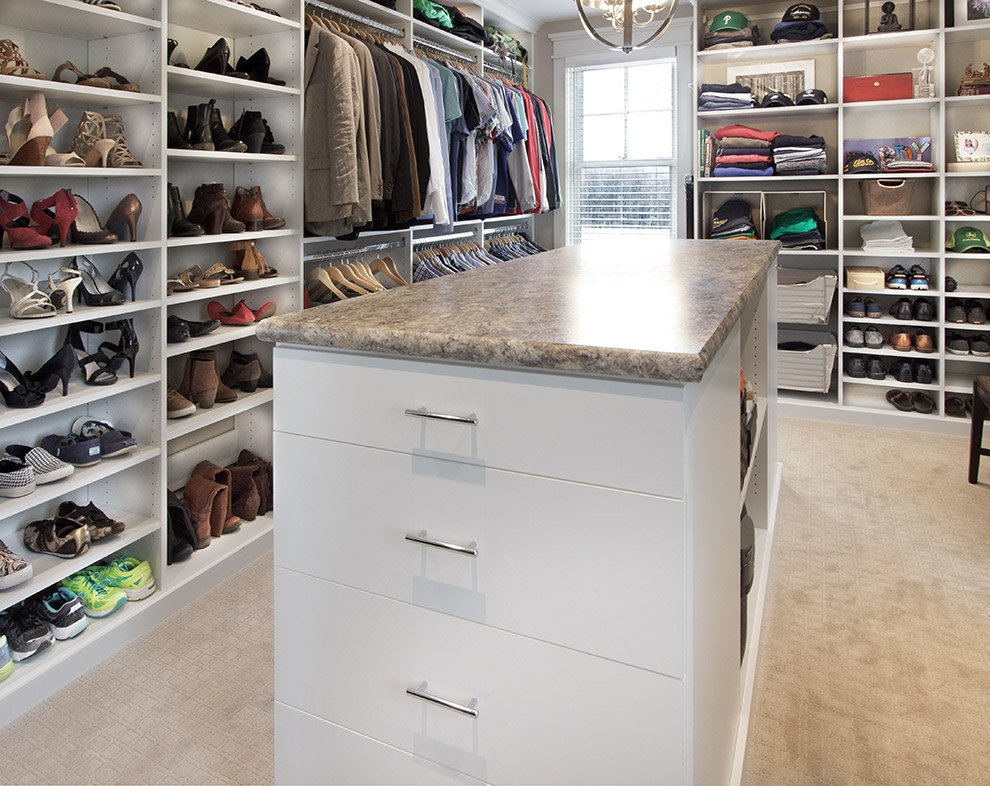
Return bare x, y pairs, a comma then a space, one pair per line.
247, 208
209, 356
266, 380
243, 374
245, 499
211, 211
200, 381
199, 498
222, 521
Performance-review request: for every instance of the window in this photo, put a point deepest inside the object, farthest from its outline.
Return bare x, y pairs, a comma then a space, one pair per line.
620, 150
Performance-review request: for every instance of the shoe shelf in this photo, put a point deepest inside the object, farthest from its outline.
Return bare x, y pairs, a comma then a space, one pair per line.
890, 352
969, 291
74, 249
221, 335
69, 94
920, 253
226, 18
772, 113
848, 217
219, 550
80, 172
85, 21
889, 382
885, 320
211, 293
958, 383
49, 569
909, 293
229, 158
82, 477
958, 255
229, 237
190, 82
79, 393
951, 326
968, 358
177, 427
14, 327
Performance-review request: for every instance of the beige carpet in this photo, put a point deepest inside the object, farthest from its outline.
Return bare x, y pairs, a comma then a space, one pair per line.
189, 702
874, 664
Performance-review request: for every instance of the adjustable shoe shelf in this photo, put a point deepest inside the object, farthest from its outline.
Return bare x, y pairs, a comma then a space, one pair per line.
851, 53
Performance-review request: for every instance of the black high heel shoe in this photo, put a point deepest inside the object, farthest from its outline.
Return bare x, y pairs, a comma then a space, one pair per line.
257, 67
128, 272
58, 367
95, 368
216, 60
21, 394
95, 290
87, 227
125, 349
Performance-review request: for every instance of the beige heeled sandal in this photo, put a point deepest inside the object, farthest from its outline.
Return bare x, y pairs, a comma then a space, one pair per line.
53, 157
120, 153
12, 62
29, 132
90, 142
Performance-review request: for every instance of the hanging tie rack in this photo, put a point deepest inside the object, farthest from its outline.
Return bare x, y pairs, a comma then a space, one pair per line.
324, 256
325, 9
453, 54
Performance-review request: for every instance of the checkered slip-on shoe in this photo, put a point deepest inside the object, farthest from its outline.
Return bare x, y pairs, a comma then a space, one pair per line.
16, 478
61, 537
47, 468
14, 569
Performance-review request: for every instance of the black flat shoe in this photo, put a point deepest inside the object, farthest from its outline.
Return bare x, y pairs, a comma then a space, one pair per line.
178, 326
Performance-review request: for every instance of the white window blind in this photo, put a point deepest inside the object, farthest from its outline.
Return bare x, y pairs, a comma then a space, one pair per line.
620, 150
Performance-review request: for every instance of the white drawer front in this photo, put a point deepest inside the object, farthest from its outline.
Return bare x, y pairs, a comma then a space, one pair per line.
595, 569
311, 750
546, 714
625, 435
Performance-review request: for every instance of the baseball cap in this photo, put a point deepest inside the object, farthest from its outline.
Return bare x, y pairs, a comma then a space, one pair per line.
968, 239
728, 20
776, 98
731, 210
858, 163
811, 96
801, 12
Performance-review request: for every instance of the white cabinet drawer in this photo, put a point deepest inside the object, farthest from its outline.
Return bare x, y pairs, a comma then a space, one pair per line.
309, 750
546, 714
591, 568
622, 434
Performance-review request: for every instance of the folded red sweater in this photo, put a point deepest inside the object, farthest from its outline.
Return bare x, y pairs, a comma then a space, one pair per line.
750, 159
745, 131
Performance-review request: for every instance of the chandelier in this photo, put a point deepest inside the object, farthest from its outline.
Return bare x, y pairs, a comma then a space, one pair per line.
627, 15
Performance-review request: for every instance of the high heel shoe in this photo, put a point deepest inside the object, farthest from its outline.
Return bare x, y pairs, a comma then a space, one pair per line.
95, 290
59, 210
90, 142
15, 222
63, 290
95, 367
57, 368
257, 67
28, 132
125, 214
87, 227
26, 300
125, 349
21, 394
128, 272
58, 119
120, 153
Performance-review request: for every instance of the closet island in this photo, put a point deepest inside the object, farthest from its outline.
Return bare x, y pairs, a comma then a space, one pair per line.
507, 544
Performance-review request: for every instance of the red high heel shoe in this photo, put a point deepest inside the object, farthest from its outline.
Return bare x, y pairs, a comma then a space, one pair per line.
58, 210
15, 222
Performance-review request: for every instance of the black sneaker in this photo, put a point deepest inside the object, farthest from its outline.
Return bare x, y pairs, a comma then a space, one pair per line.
957, 344
855, 366
875, 369
60, 609
923, 373
951, 285
902, 371
26, 635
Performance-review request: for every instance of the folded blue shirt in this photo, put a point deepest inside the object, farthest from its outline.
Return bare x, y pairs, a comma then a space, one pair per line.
734, 171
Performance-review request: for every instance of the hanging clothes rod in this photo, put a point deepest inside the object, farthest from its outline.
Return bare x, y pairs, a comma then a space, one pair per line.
323, 256
509, 230
453, 54
445, 239
348, 16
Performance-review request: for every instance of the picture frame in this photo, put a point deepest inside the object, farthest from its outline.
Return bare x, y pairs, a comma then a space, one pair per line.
971, 12
789, 77
972, 145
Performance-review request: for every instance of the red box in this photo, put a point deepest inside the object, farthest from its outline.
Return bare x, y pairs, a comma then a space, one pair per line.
879, 87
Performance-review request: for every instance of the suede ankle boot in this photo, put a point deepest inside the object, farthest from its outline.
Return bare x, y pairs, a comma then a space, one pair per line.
200, 381
247, 208
222, 519
242, 374
224, 393
198, 133
253, 196
211, 211
245, 501
265, 380
206, 511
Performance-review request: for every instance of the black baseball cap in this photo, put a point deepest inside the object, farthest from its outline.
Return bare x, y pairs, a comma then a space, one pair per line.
811, 96
801, 12
731, 210
858, 163
776, 98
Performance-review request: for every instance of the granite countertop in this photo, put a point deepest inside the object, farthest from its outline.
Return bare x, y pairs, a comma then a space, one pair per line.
628, 308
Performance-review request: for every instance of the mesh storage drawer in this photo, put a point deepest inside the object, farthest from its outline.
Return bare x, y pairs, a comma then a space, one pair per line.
807, 370
805, 296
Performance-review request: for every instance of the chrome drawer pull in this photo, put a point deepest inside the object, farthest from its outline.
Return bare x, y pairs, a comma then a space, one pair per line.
469, 420
420, 693
420, 537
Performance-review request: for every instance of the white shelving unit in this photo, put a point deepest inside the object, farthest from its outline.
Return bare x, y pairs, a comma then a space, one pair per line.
850, 53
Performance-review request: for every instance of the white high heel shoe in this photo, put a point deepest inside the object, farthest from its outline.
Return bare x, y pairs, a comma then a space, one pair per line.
62, 292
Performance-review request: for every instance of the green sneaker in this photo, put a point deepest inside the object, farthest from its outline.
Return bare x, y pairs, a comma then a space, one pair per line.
129, 574
97, 600
6, 664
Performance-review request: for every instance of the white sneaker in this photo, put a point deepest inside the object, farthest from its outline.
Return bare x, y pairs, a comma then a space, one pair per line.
47, 468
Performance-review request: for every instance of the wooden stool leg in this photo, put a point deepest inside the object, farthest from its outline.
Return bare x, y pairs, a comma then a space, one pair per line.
976, 435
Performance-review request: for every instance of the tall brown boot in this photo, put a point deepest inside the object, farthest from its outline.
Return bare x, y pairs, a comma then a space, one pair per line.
262, 479
200, 381
244, 498
222, 521
209, 357
200, 500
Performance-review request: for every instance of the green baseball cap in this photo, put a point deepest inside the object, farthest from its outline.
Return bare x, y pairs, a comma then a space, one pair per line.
968, 239
728, 20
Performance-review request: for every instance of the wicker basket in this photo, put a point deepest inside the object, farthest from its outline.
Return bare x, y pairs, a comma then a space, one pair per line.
887, 197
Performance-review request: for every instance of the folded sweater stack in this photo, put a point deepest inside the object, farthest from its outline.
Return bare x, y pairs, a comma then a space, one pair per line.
734, 96
799, 155
798, 230
743, 152
731, 39
799, 30
887, 237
